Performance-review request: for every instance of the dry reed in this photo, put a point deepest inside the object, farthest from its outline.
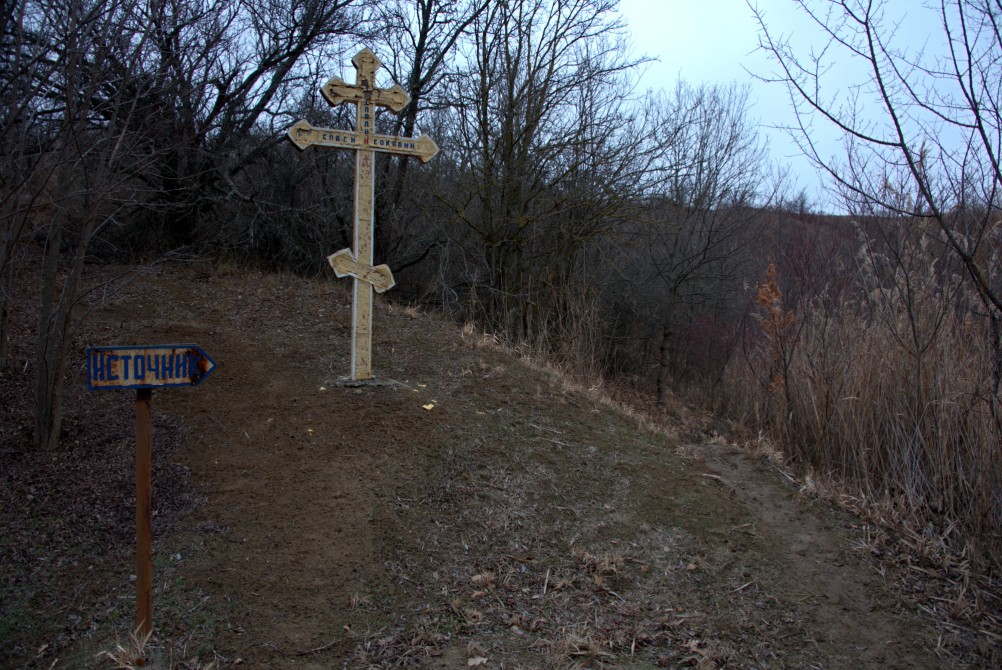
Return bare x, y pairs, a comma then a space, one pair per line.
890, 393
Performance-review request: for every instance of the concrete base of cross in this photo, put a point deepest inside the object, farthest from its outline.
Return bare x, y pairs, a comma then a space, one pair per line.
348, 382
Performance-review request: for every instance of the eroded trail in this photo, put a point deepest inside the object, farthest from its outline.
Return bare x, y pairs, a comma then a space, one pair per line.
480, 511
856, 626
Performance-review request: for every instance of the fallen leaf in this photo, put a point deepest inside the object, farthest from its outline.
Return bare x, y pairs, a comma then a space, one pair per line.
475, 661
429, 406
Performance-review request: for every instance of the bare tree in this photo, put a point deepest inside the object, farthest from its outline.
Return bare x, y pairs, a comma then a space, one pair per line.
115, 112
921, 173
548, 149
709, 181
26, 68
422, 36
223, 73
74, 167
928, 148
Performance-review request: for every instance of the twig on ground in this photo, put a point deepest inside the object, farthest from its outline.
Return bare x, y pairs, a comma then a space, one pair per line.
317, 649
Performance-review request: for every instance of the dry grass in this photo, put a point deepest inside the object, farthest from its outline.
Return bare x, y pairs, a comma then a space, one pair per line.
886, 403
849, 437
555, 554
139, 652
131, 656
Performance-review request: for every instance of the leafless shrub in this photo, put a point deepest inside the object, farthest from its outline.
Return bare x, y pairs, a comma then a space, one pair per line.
889, 392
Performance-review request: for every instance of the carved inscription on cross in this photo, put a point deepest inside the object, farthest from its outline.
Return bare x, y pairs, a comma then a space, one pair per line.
357, 263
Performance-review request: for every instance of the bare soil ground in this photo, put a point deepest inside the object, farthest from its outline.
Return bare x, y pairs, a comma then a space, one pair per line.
476, 512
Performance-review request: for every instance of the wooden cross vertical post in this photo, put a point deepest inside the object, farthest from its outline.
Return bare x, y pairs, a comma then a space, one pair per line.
357, 262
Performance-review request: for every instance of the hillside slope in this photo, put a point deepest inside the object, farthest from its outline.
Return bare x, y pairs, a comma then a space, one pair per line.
477, 512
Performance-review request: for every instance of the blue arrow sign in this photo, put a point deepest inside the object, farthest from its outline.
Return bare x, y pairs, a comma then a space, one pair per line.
147, 366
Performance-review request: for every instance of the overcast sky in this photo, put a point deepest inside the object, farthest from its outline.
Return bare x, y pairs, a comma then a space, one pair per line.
715, 41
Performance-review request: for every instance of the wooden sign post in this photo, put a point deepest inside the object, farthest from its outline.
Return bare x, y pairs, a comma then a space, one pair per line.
357, 262
145, 368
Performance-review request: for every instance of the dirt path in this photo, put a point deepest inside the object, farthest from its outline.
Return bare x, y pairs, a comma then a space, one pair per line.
478, 513
515, 520
858, 627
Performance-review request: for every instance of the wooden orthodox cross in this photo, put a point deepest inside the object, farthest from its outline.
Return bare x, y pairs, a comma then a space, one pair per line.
357, 263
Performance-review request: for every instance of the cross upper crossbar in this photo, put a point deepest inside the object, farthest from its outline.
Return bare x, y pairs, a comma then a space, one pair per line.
358, 263
336, 91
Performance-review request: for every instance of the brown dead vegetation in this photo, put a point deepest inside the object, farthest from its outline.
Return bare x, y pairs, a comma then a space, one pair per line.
484, 512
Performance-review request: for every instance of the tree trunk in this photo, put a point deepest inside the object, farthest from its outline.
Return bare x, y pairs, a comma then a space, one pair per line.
995, 334
6, 304
55, 328
47, 346
663, 367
